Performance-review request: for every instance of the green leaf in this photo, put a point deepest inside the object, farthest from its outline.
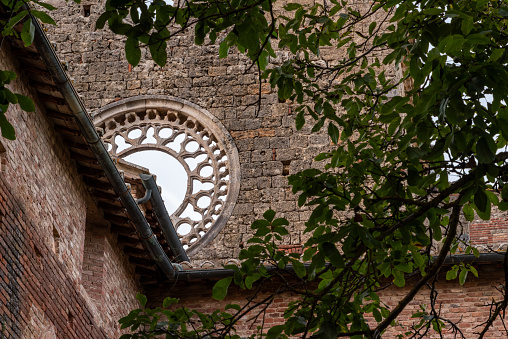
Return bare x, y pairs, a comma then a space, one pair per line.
25, 103
311, 71
404, 267
504, 192
481, 200
269, 215
132, 51
43, 17
463, 276
142, 299
47, 6
260, 223
250, 279
474, 271
483, 151
288, 89
333, 254
220, 290
15, 19
233, 306
318, 125
478, 38
6, 128
385, 269
275, 331
372, 26
101, 21
299, 268
468, 212
199, 33
280, 222
333, 132
398, 276
493, 199
158, 50
328, 330
467, 25
281, 230
433, 11
28, 32
418, 258
223, 49
476, 252
300, 120
169, 301
263, 60
496, 54
451, 274
262, 232
11, 97
7, 76
292, 6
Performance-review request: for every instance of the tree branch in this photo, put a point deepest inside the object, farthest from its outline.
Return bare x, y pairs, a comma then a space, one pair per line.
431, 273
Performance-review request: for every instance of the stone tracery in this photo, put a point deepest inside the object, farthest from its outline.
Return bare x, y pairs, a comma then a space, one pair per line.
200, 144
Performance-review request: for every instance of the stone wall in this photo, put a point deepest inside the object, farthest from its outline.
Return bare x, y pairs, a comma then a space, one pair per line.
44, 207
269, 147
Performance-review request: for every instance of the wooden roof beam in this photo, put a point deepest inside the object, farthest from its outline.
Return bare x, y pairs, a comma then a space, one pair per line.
61, 116
68, 131
142, 262
126, 240
135, 252
117, 219
105, 195
52, 99
25, 54
118, 229
34, 70
145, 271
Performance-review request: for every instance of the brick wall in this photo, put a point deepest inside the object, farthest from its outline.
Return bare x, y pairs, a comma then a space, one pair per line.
467, 305
492, 232
198, 296
120, 286
43, 212
107, 278
37, 293
92, 272
44, 178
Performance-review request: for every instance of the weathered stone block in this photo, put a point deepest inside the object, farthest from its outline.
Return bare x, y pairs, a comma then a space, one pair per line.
271, 168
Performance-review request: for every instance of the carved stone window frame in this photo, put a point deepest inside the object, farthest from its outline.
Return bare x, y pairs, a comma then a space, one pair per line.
198, 125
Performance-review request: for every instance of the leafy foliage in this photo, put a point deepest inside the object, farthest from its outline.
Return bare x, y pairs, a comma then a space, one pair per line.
19, 14
412, 153
175, 322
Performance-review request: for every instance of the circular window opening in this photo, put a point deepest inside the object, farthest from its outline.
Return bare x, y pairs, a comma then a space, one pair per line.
171, 175
191, 153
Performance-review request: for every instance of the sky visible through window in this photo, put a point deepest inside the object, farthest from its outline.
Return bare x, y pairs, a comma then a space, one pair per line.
170, 175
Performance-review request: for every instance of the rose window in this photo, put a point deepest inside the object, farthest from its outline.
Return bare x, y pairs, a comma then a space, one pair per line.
192, 154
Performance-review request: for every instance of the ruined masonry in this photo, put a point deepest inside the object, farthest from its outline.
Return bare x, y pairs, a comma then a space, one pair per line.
269, 147
71, 261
